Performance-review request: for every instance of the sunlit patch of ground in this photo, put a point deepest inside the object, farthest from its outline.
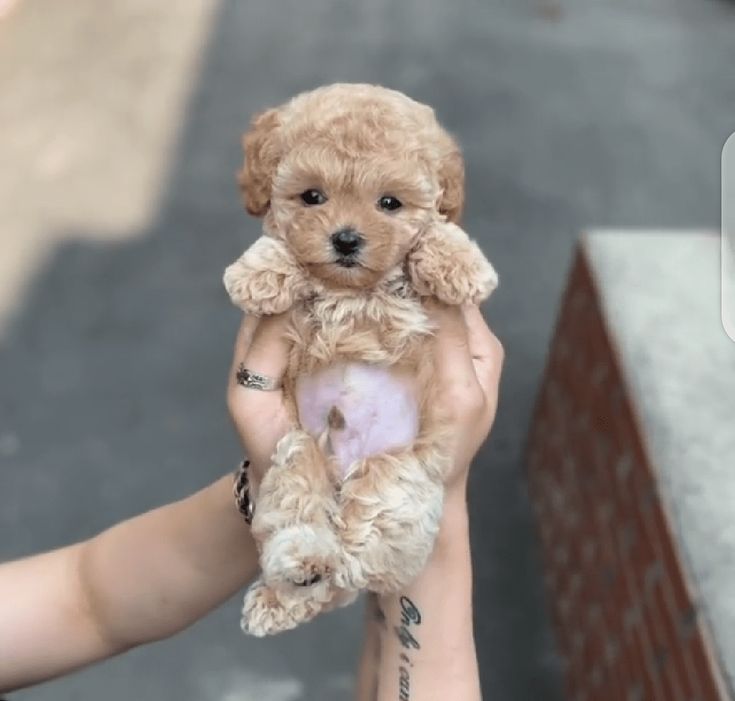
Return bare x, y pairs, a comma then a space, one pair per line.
88, 129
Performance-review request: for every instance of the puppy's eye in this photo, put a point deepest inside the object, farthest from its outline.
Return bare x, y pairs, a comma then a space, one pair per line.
312, 197
389, 203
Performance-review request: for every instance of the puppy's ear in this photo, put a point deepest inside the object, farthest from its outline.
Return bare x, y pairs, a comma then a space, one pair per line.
448, 265
262, 146
451, 178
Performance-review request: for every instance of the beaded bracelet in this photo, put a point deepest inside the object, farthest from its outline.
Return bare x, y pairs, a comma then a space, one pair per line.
241, 490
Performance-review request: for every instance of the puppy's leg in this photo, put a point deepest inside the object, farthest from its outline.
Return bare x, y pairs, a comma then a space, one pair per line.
391, 508
293, 523
267, 609
265, 279
448, 265
294, 515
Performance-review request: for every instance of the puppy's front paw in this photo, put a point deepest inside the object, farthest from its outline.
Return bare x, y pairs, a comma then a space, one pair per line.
448, 265
265, 279
301, 555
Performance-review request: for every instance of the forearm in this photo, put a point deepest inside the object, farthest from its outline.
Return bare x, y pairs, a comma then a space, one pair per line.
368, 671
154, 575
141, 580
45, 628
427, 648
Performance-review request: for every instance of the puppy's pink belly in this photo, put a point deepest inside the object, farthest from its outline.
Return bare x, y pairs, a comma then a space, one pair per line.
378, 405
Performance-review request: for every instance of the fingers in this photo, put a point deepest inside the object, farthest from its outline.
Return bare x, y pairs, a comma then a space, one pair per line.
479, 336
453, 359
485, 348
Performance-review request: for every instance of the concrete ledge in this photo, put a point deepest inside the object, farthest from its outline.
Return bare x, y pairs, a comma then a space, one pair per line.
629, 455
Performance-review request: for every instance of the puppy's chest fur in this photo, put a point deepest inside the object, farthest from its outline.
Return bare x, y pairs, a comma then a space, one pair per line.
387, 326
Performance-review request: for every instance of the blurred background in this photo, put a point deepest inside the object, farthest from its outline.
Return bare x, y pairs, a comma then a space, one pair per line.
120, 133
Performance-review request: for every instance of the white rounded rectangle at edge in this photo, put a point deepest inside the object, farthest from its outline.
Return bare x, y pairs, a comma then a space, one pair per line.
728, 237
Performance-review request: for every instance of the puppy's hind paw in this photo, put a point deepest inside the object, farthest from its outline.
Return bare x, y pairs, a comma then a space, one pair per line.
263, 613
301, 555
267, 610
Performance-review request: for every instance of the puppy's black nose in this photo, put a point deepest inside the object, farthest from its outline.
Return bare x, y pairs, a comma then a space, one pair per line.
346, 241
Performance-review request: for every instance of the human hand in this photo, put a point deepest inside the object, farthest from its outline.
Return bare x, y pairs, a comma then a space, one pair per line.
260, 418
468, 361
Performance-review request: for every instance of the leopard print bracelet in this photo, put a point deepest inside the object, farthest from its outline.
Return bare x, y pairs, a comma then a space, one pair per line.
241, 490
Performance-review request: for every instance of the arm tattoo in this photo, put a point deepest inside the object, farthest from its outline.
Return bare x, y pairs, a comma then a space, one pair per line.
406, 634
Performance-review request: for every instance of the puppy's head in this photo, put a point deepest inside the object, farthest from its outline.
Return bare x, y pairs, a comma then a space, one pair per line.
349, 176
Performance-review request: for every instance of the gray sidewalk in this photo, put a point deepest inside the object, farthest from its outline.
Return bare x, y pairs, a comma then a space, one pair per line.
119, 214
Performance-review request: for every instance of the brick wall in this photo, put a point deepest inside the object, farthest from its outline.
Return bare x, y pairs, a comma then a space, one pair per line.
626, 622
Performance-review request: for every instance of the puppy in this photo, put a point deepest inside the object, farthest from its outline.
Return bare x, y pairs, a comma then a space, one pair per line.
360, 190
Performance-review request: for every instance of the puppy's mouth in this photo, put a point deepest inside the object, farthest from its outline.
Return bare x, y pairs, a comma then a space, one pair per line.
347, 262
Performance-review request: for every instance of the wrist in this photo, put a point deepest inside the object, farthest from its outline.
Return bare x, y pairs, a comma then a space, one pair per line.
455, 497
453, 536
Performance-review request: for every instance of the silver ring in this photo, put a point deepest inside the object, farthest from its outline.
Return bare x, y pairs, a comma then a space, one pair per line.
254, 380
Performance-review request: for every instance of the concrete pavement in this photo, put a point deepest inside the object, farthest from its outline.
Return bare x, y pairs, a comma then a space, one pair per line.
121, 136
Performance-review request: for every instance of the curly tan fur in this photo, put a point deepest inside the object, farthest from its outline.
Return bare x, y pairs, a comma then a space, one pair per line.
324, 535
